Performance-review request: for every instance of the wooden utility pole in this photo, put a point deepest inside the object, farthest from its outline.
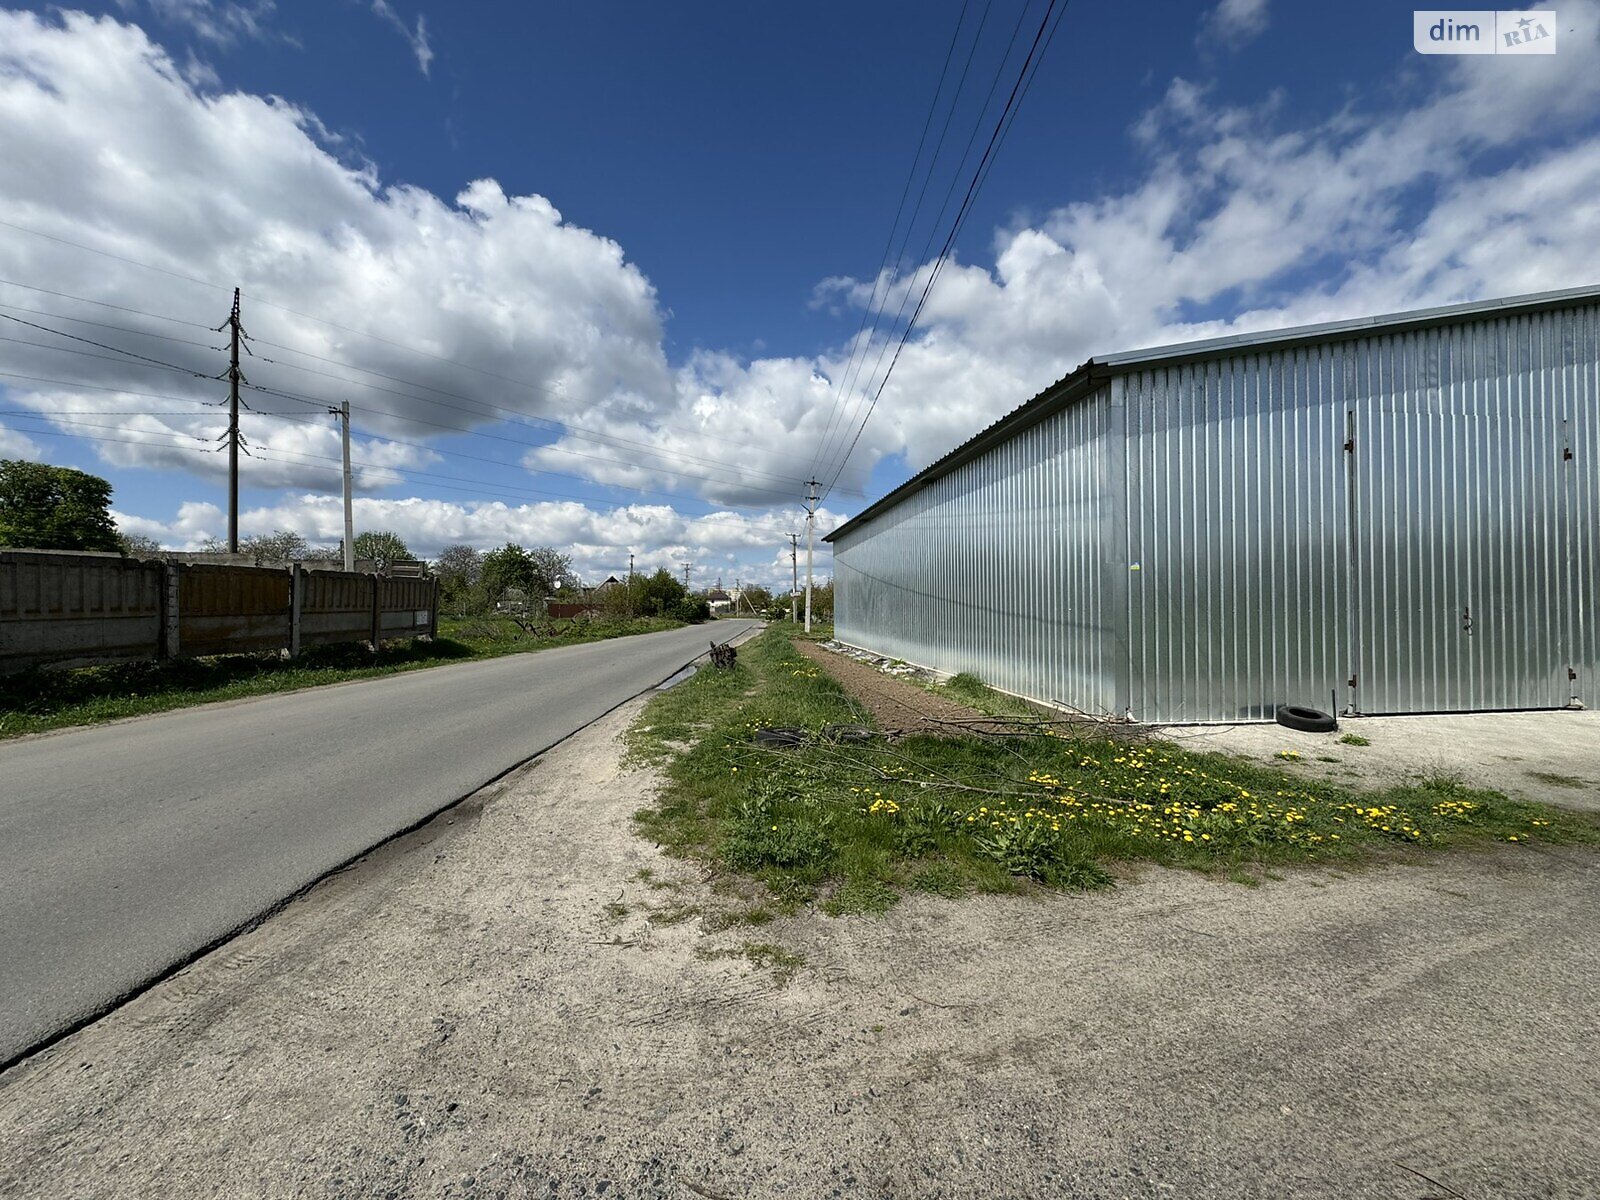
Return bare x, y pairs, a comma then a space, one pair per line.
794, 570
233, 427
811, 529
630, 584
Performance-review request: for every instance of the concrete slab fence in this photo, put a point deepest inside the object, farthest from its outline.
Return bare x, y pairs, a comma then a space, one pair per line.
60, 608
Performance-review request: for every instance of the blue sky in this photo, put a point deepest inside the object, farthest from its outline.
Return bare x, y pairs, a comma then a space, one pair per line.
725, 177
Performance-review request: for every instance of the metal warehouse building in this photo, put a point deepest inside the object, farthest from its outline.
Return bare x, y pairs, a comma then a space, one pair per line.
1391, 515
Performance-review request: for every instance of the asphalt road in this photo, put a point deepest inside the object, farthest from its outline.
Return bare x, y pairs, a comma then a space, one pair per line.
126, 848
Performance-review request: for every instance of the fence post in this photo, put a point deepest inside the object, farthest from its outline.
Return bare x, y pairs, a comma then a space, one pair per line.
170, 591
377, 612
296, 583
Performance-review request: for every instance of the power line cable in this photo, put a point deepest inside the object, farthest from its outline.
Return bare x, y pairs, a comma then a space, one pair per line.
138, 312
741, 475
826, 454
257, 299
165, 337
1001, 127
842, 390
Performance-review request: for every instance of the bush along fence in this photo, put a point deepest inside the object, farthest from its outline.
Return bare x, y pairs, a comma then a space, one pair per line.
67, 609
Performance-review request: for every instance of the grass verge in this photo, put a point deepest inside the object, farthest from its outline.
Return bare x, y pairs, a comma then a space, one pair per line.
857, 826
36, 701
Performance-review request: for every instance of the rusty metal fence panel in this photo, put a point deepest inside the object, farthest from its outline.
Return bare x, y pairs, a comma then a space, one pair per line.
64, 609
67, 607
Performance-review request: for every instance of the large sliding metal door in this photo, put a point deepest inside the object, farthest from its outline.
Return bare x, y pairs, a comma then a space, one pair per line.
1459, 552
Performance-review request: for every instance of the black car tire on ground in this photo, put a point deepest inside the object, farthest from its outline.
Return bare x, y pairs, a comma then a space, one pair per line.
1307, 720
780, 736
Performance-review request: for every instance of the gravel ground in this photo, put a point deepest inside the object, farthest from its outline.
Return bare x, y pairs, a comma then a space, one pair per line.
459, 1015
1553, 757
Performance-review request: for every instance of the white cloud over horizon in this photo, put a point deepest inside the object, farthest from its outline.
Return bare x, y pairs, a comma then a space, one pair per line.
1466, 179
725, 544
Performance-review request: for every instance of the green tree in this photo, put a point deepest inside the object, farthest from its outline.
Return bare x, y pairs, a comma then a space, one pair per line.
279, 546
383, 548
535, 571
460, 573
54, 508
658, 595
136, 545
754, 598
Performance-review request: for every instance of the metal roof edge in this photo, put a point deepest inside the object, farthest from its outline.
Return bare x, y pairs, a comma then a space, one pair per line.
1328, 331
1082, 380
1059, 394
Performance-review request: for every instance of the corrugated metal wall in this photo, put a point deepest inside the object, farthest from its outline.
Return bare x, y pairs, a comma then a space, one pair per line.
1450, 560
1238, 525
1578, 383
996, 568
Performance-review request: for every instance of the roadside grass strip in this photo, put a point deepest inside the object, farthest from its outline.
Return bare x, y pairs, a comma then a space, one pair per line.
857, 825
36, 701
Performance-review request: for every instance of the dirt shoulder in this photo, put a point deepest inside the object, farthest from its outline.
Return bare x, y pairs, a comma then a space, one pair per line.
894, 703
488, 1008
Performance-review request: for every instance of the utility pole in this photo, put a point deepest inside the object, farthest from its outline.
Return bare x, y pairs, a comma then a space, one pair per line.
811, 529
630, 583
794, 570
687, 567
343, 413
233, 427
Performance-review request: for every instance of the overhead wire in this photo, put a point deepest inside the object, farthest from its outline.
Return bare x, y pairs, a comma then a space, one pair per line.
740, 475
1042, 38
842, 389
933, 229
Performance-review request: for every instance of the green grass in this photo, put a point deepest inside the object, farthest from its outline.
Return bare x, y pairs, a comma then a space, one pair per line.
857, 826
36, 701
973, 692
1355, 739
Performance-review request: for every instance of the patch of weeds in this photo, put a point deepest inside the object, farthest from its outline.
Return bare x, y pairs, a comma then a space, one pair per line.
973, 692
957, 815
861, 896
766, 955
770, 954
1241, 876
1326, 758
1355, 739
789, 894
675, 914
728, 918
940, 879
616, 910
